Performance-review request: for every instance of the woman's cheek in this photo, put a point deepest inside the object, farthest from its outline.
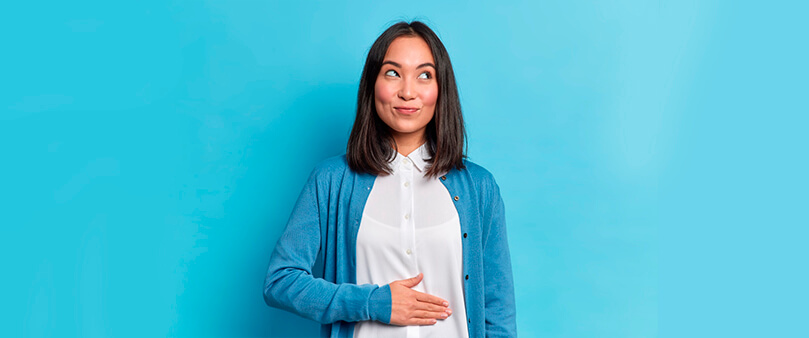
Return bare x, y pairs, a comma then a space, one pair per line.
382, 92
429, 97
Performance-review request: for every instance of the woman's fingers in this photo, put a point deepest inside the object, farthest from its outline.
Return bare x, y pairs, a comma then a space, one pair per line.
411, 282
410, 307
427, 298
430, 314
432, 307
422, 321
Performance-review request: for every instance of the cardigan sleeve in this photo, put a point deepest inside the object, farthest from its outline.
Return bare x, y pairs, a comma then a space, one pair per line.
290, 285
500, 313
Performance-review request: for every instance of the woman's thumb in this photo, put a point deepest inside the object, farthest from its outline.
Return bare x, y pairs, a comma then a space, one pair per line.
411, 282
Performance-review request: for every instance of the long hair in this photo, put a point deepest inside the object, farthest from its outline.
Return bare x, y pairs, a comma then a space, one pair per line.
369, 145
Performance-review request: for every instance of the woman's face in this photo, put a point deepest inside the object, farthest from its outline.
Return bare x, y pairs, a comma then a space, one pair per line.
406, 89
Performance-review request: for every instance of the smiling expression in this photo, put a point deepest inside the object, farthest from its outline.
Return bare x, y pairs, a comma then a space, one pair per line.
406, 90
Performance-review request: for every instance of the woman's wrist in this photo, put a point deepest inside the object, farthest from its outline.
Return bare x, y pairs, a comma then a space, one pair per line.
379, 304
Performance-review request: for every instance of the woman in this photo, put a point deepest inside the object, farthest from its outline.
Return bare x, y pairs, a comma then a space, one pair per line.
409, 236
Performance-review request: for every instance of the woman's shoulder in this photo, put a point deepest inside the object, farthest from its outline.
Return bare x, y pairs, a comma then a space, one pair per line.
335, 163
331, 167
477, 172
337, 166
482, 180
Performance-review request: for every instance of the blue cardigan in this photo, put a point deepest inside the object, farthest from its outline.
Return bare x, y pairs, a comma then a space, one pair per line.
323, 227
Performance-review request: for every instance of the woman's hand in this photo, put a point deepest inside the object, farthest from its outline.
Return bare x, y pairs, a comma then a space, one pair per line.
411, 307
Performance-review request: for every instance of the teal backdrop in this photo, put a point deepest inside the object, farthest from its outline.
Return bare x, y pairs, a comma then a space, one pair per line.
652, 156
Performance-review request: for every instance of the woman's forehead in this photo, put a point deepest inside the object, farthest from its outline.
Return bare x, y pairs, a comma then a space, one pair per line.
409, 51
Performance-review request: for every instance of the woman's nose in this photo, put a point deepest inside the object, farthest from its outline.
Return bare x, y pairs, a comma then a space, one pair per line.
406, 91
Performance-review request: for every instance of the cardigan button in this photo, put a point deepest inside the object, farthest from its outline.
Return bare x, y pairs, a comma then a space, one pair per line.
456, 198
444, 178
467, 276
464, 235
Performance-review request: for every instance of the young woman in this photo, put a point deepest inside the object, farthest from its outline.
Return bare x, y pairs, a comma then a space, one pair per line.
409, 236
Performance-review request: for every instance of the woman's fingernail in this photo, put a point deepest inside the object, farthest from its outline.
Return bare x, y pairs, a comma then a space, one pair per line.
449, 311
443, 315
446, 304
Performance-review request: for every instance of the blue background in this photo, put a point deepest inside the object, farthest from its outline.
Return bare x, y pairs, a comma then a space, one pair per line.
651, 154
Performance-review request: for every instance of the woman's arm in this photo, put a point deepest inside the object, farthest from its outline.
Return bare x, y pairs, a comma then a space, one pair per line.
498, 283
290, 285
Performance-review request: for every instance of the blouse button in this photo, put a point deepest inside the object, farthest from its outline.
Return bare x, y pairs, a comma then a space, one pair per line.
407, 216
456, 198
409, 252
406, 184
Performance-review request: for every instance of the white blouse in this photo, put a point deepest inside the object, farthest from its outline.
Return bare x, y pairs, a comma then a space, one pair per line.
410, 226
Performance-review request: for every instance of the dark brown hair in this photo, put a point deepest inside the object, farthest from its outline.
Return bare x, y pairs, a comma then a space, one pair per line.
369, 145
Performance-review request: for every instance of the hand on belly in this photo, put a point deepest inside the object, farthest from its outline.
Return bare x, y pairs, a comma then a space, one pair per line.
410, 307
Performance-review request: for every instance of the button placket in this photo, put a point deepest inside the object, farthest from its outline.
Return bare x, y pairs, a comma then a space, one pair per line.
408, 228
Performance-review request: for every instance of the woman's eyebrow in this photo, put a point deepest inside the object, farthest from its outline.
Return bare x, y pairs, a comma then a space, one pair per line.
426, 64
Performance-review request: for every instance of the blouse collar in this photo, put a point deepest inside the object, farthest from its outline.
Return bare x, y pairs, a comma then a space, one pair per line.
419, 158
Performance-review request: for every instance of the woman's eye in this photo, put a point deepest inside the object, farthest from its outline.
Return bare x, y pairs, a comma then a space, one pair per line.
391, 73
425, 75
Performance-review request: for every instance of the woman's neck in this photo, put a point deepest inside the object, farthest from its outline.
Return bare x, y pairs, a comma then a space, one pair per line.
407, 143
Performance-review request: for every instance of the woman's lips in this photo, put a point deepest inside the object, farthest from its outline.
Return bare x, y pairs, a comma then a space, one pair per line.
406, 110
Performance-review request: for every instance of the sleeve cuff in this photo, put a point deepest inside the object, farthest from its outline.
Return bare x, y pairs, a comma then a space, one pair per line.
379, 304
